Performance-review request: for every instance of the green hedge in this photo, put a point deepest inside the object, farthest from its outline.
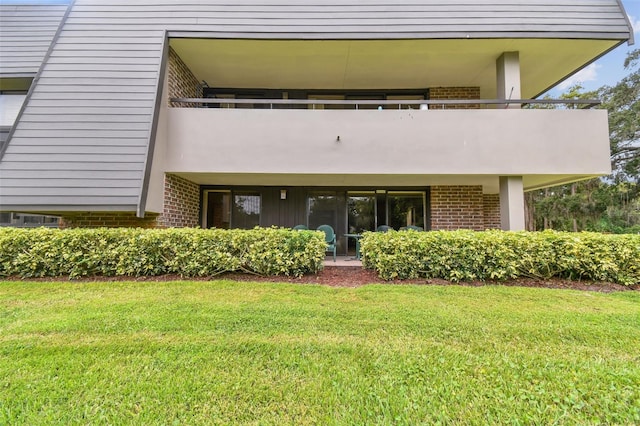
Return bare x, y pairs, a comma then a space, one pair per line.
496, 255
188, 252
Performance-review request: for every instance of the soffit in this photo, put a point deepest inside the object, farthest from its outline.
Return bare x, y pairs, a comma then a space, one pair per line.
371, 64
490, 183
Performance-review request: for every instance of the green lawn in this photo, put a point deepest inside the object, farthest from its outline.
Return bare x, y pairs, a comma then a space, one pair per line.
247, 353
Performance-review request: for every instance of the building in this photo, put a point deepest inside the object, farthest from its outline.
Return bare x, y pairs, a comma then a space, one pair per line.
350, 113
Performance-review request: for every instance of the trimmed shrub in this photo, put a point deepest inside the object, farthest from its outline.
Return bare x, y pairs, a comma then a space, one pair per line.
136, 252
497, 255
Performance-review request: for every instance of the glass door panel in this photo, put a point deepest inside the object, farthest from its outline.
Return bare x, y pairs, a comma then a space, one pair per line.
406, 209
361, 216
361, 212
245, 210
322, 209
371, 97
405, 98
218, 209
328, 98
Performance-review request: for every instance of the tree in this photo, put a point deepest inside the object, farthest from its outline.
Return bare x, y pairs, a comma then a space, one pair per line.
623, 103
611, 204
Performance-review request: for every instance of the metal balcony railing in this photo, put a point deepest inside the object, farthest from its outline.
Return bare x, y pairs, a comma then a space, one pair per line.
379, 104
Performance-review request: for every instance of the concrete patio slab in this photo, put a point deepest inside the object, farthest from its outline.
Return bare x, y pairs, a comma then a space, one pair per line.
342, 261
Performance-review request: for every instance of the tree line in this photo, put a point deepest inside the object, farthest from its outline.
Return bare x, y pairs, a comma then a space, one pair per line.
608, 204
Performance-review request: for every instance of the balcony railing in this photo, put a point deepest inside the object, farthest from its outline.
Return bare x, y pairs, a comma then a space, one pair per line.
379, 104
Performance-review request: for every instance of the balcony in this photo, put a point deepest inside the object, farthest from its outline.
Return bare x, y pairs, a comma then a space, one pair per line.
397, 142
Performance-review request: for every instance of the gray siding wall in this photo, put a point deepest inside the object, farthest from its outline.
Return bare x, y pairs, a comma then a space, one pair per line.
359, 19
83, 139
26, 31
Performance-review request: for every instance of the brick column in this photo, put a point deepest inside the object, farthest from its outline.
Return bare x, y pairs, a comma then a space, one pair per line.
181, 203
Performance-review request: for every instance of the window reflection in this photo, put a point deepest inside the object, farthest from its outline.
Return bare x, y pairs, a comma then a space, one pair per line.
361, 209
322, 209
405, 209
218, 209
245, 212
25, 220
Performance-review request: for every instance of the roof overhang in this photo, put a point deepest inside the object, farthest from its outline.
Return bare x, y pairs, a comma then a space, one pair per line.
384, 64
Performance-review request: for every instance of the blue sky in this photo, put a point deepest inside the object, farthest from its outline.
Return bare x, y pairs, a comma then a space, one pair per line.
609, 69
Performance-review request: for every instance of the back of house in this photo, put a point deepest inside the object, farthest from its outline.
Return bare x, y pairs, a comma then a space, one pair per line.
238, 114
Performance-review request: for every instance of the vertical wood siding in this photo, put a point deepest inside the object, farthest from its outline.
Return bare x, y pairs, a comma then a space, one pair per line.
82, 140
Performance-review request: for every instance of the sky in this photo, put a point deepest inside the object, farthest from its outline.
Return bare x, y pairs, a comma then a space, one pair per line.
609, 69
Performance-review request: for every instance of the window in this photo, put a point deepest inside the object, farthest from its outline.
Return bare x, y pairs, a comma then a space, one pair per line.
224, 209
366, 97
227, 93
310, 94
25, 220
326, 97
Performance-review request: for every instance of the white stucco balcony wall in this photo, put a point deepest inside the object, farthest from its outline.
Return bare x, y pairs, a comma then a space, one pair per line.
430, 143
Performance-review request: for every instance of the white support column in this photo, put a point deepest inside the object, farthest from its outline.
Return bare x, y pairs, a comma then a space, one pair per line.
511, 203
508, 77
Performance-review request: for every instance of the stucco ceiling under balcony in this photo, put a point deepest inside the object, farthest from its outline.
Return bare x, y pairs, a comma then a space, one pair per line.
383, 64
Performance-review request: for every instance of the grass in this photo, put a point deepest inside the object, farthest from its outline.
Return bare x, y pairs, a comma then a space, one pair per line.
258, 353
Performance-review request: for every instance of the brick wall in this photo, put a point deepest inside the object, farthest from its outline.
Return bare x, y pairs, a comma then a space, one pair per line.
457, 207
181, 209
182, 82
491, 211
108, 220
181, 203
454, 93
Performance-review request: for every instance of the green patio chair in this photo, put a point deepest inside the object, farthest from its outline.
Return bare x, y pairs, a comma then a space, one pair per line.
384, 228
329, 238
300, 227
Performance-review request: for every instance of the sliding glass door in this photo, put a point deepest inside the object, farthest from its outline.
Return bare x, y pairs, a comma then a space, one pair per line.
368, 210
405, 209
361, 212
225, 209
347, 211
322, 209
